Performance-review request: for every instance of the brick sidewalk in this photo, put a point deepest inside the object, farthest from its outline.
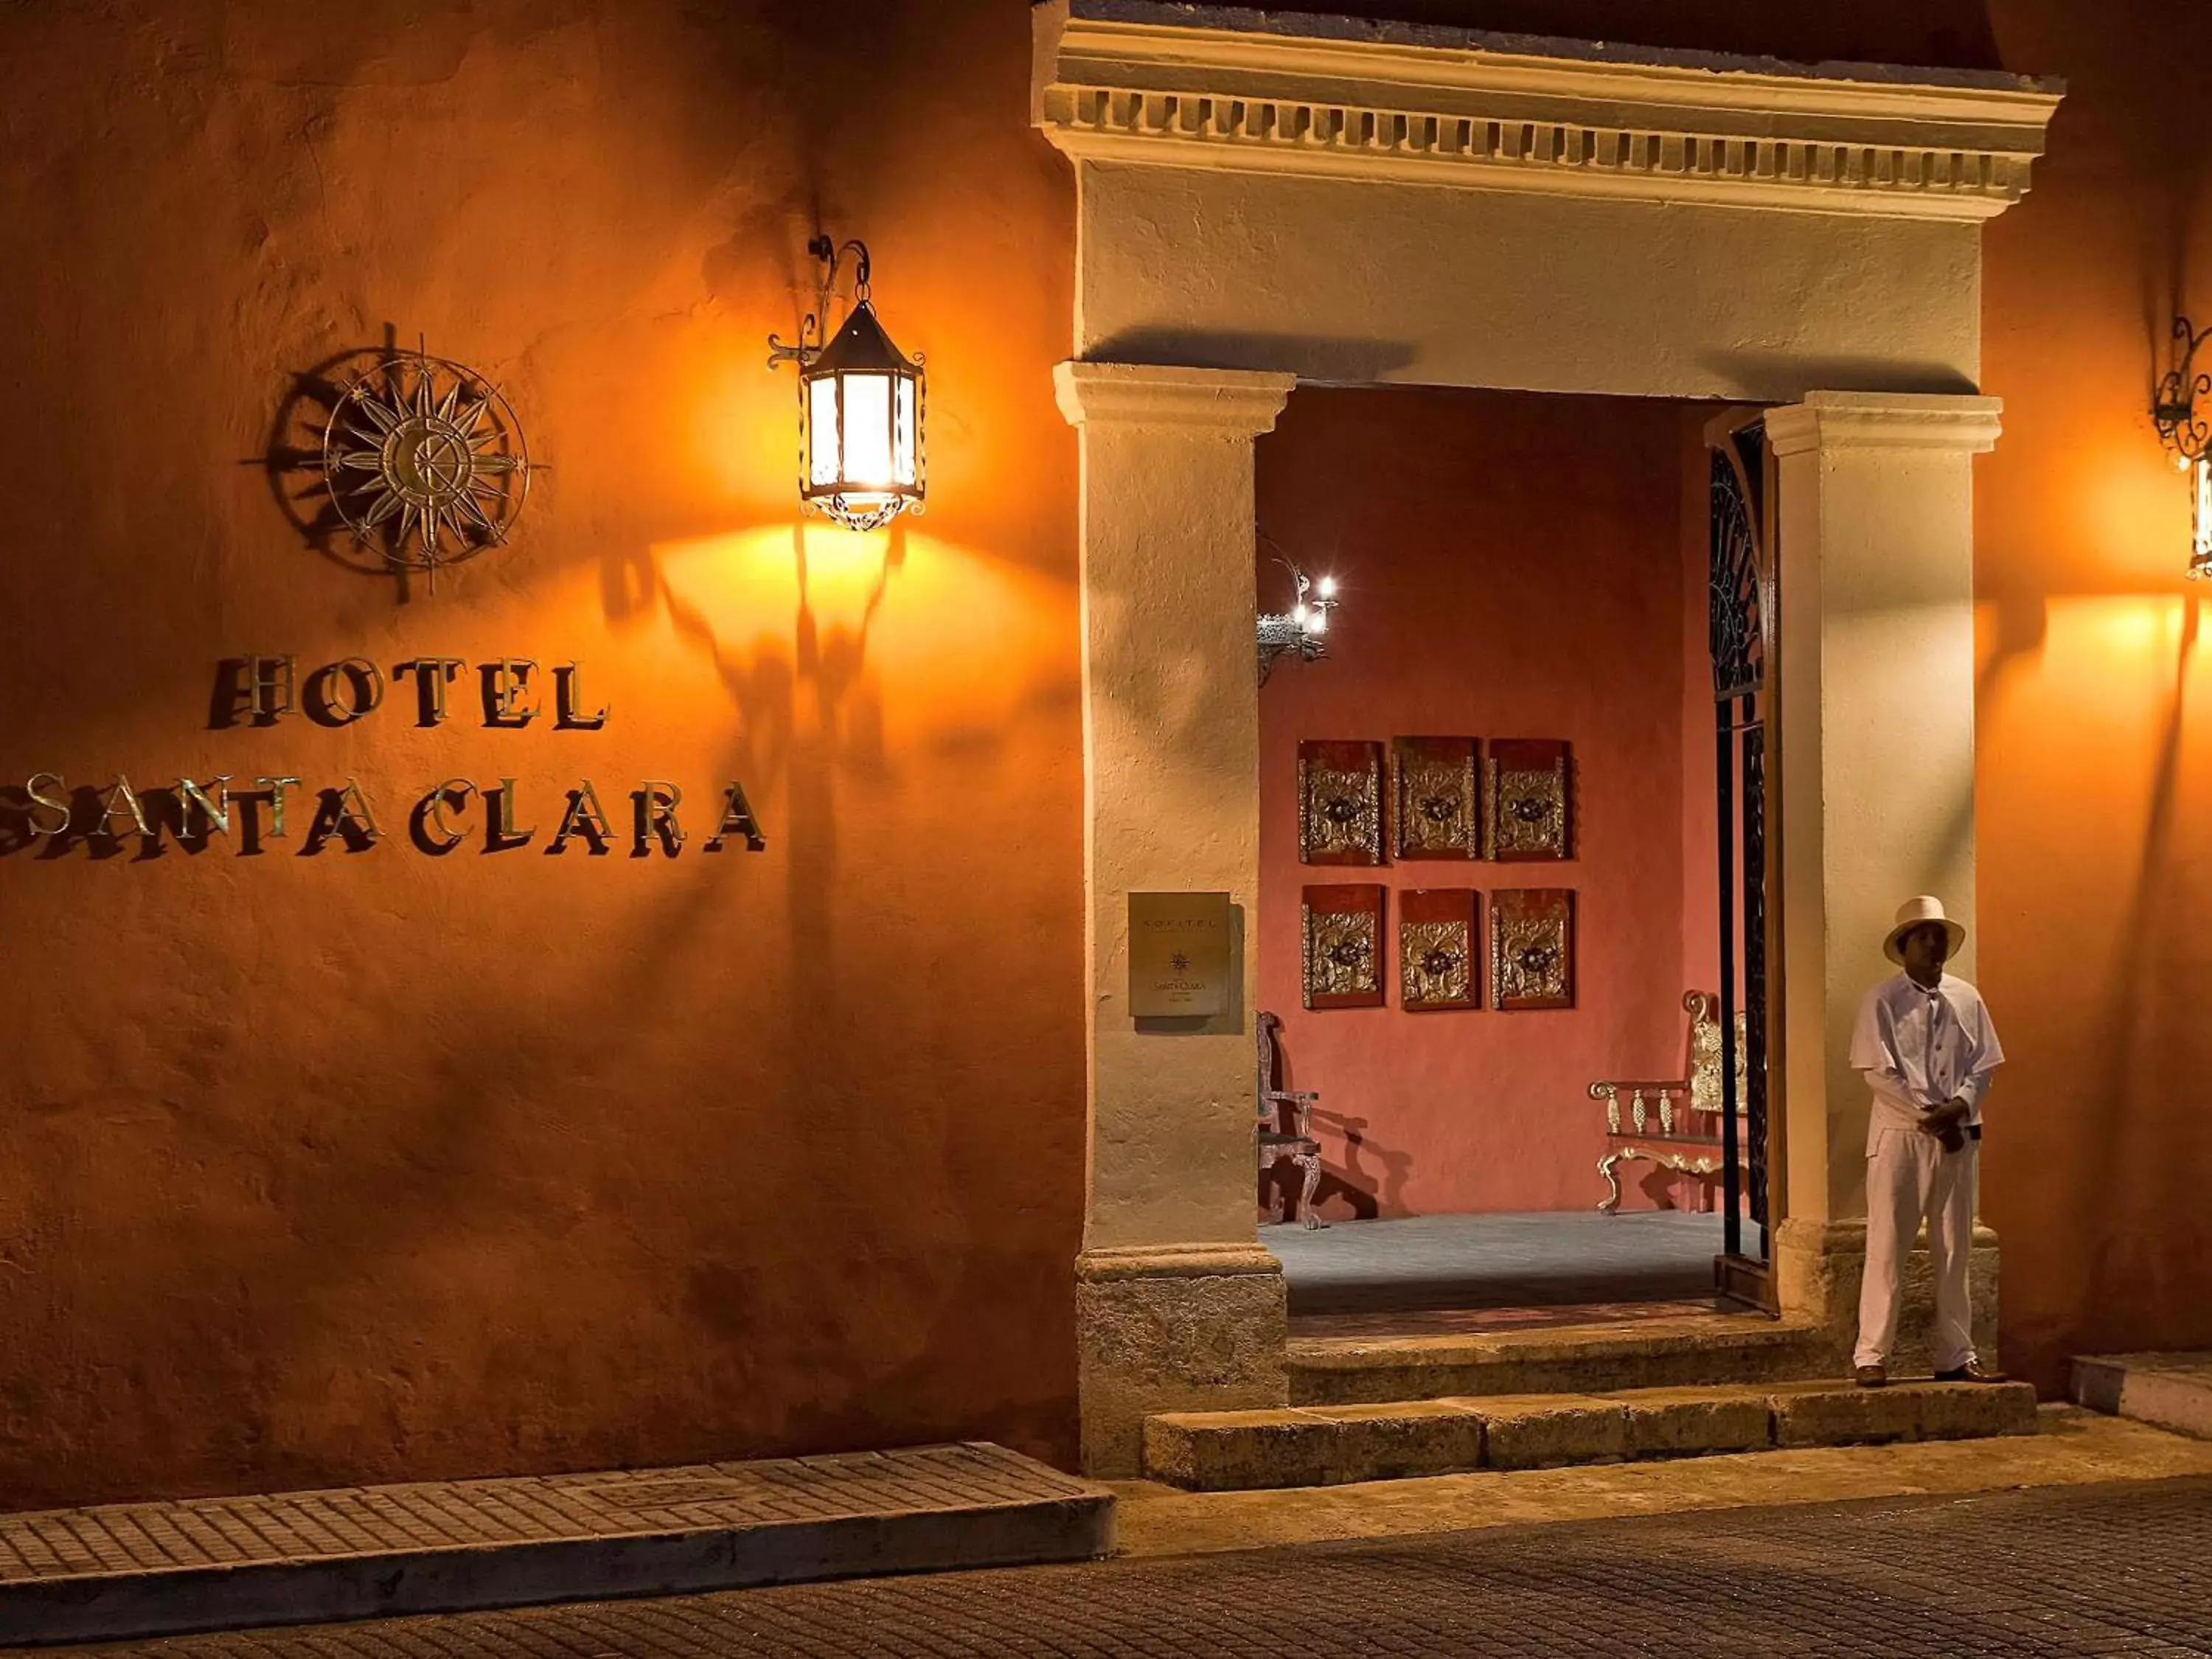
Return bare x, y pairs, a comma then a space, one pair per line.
438, 1514
2104, 1570
125, 1570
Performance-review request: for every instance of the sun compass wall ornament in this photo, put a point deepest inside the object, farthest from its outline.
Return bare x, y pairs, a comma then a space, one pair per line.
425, 463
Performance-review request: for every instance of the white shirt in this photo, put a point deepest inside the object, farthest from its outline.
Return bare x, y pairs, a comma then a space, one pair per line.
1920, 1050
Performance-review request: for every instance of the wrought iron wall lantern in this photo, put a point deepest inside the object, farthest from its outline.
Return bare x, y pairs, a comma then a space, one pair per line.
2183, 412
860, 405
1302, 629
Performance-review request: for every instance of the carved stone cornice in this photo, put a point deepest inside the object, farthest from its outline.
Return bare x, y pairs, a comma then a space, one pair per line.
1145, 84
1874, 420
1242, 403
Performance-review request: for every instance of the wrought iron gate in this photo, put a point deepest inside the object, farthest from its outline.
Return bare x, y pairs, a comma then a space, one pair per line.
1740, 622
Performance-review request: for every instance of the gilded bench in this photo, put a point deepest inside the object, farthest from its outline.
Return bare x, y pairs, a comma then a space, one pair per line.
1676, 1124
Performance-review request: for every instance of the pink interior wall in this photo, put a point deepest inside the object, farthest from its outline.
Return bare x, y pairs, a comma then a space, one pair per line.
1513, 566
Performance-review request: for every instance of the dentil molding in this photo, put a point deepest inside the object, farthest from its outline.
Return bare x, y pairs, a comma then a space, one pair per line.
1144, 84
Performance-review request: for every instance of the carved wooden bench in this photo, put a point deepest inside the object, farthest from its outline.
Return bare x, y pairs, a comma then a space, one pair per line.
1676, 1124
1285, 1124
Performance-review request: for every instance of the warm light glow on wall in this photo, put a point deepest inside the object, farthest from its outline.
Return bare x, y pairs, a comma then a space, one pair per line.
921, 640
860, 408
2093, 699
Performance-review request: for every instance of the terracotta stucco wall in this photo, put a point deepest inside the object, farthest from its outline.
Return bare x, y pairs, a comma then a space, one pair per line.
1511, 568
350, 1167
355, 1168
2095, 775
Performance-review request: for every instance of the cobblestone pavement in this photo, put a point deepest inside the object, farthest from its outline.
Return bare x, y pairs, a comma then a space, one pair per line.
2122, 1570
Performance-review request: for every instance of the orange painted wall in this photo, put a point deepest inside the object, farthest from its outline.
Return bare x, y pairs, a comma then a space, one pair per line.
346, 1169
2095, 776
1511, 567
357, 1168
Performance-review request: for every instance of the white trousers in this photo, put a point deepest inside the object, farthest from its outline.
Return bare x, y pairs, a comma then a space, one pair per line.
1909, 1179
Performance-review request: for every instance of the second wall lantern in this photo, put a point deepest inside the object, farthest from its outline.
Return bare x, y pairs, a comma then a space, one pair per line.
2182, 410
860, 406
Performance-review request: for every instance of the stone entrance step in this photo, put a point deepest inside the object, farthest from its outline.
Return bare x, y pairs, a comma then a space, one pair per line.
129, 1569
1685, 1350
2167, 1391
1331, 1445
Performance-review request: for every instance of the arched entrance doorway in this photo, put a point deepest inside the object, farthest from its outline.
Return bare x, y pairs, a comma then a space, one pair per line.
1268, 200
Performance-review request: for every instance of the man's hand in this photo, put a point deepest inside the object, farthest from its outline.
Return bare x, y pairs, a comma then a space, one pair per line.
1948, 1123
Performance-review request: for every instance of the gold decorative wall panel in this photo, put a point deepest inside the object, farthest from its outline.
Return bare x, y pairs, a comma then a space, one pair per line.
1436, 808
1532, 949
1341, 803
1342, 948
1437, 954
1531, 801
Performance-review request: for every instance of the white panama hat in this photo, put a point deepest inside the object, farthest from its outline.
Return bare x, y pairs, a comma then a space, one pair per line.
1912, 914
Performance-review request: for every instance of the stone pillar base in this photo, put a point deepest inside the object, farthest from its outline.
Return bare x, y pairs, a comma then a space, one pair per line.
1174, 1327
1817, 1269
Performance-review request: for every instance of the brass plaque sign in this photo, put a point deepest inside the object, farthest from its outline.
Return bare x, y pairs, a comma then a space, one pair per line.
1181, 954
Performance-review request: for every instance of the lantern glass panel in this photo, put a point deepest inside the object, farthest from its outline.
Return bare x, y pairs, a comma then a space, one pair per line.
822, 430
867, 431
2203, 527
905, 433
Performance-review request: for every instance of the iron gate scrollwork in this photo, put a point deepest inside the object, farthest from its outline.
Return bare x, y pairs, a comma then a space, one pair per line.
1740, 621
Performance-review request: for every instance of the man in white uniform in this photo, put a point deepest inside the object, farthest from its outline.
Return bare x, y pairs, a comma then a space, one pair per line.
1926, 1047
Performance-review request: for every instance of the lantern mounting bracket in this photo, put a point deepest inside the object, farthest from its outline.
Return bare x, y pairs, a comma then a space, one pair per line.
826, 253
2186, 429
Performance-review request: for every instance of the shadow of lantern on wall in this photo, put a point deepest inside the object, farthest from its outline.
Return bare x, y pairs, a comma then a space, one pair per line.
2182, 410
860, 405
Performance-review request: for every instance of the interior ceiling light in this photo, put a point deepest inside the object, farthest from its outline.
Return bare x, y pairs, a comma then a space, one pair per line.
1302, 629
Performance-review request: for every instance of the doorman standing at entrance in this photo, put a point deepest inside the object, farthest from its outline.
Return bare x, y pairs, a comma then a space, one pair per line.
1927, 1049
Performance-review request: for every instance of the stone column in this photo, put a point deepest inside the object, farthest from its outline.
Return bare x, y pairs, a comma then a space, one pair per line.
1177, 1306
1876, 711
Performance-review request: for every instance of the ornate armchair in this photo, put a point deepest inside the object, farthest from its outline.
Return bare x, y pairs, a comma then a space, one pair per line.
1285, 1126
1676, 1124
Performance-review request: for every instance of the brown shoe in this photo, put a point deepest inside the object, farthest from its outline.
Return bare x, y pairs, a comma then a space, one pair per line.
1971, 1371
1871, 1376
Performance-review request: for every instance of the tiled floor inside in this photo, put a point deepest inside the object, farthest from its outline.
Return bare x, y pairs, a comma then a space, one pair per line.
1463, 1273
